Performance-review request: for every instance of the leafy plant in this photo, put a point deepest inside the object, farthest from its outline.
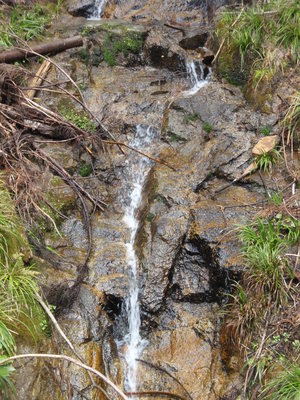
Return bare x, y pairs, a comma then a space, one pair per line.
292, 120
7, 342
290, 226
207, 127
241, 314
79, 119
18, 282
275, 198
250, 52
265, 161
6, 385
45, 324
19, 308
263, 249
286, 386
24, 23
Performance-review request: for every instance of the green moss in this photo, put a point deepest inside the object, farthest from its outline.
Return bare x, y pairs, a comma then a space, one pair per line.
132, 42
172, 137
265, 130
90, 56
85, 170
150, 217
207, 127
192, 117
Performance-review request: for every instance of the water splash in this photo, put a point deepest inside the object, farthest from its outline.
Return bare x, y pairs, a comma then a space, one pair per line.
197, 79
99, 8
135, 344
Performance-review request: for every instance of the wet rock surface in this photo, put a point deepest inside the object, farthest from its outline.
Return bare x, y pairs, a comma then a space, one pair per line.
186, 246
80, 8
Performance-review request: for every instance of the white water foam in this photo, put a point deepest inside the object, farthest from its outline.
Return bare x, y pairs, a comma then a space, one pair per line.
98, 10
198, 81
135, 344
139, 171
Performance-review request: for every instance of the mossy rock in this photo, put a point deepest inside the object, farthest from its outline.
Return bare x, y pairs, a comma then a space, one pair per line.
61, 196
115, 39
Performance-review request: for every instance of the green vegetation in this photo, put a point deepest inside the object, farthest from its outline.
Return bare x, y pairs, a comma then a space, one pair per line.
6, 385
263, 42
275, 198
45, 324
24, 23
263, 250
85, 170
20, 312
191, 118
292, 120
286, 386
207, 127
79, 119
150, 217
263, 294
265, 161
114, 44
265, 130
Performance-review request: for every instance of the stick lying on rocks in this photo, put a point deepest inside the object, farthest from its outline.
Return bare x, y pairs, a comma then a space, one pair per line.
55, 46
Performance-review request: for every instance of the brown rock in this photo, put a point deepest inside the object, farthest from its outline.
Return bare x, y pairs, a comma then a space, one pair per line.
265, 145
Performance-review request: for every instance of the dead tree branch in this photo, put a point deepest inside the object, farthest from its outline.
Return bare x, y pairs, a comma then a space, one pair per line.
71, 360
55, 46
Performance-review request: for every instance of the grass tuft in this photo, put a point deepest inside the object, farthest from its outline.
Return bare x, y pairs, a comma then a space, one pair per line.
263, 42
25, 24
19, 309
192, 117
286, 386
266, 161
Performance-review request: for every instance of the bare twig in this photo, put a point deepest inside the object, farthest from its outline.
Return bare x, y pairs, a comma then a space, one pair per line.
167, 373
155, 393
72, 360
157, 160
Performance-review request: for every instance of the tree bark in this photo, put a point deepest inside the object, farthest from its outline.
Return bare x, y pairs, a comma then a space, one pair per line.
55, 46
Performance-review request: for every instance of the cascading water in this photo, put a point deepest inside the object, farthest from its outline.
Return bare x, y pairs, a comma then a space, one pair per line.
197, 80
139, 170
98, 9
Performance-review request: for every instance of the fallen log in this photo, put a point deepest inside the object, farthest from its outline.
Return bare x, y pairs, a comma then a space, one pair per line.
53, 47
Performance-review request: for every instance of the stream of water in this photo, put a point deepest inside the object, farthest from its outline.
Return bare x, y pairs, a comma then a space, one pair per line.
98, 9
197, 80
139, 171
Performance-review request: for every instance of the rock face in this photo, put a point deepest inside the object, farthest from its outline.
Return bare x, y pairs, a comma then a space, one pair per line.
81, 8
186, 250
194, 39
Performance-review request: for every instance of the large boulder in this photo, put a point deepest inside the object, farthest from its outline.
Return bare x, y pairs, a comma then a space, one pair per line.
81, 8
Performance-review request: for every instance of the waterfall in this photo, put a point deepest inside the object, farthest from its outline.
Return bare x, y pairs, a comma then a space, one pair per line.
98, 9
139, 170
198, 80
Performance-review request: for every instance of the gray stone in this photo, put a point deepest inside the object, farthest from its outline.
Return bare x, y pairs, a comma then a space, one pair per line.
80, 8
194, 39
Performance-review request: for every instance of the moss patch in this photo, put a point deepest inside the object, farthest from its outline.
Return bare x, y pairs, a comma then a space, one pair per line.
132, 42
